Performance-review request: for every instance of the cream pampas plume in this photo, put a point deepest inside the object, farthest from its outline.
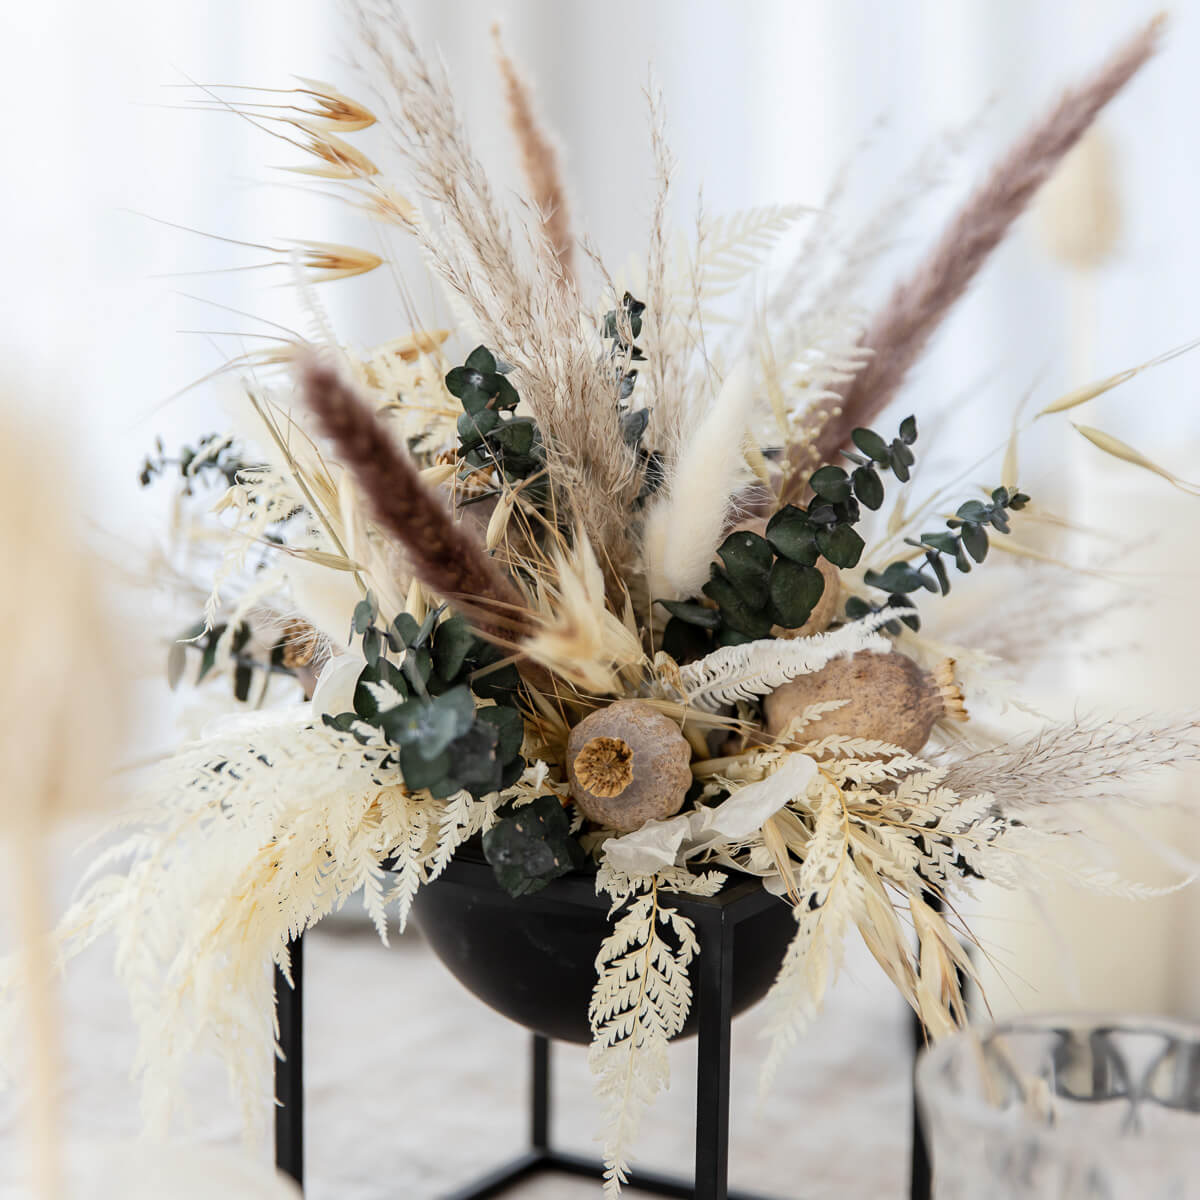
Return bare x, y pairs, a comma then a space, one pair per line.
683, 530
444, 555
916, 308
540, 162
59, 709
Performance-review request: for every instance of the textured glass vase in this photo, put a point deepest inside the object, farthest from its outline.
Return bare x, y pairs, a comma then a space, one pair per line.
1065, 1108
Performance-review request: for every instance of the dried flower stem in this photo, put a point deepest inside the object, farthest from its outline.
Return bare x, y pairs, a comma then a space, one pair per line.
444, 556
540, 162
916, 308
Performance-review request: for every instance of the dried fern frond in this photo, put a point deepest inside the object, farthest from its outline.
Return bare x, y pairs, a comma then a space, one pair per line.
756, 668
641, 1000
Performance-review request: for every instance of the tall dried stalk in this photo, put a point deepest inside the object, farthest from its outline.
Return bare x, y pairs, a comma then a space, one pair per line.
540, 162
444, 556
918, 305
513, 295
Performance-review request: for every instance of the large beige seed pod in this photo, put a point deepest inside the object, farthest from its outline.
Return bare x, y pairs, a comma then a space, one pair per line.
891, 699
628, 764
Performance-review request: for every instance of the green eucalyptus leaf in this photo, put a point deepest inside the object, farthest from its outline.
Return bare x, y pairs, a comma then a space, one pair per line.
421, 771
747, 558
736, 611
868, 487
793, 536
406, 628
452, 642
975, 539
365, 612
795, 590
871, 444
947, 543
481, 359
831, 483
510, 730
692, 613
684, 641
372, 642
939, 569
899, 577
908, 430
531, 847
841, 545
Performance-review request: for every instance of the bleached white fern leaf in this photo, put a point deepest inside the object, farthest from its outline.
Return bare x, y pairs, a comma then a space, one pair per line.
734, 246
829, 894
641, 1000
756, 668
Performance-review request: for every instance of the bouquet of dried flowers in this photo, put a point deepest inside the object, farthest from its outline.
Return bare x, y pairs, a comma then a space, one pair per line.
602, 587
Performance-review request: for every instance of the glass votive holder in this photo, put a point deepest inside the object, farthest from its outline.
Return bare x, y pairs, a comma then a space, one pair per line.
1064, 1108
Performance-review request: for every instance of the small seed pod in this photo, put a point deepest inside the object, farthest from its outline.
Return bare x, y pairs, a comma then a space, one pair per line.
890, 699
628, 764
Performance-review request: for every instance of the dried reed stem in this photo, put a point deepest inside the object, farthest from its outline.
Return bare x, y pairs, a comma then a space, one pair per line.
540, 162
917, 306
443, 554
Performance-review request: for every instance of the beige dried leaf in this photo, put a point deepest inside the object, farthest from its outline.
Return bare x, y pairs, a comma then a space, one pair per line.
1126, 453
1089, 391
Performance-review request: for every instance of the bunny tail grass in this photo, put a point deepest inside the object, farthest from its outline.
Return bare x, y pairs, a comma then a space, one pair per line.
915, 309
443, 555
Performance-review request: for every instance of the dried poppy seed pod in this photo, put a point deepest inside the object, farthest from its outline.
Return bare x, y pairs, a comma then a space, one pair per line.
890, 699
628, 764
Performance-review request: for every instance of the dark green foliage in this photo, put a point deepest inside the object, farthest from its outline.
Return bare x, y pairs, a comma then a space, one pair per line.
531, 846
621, 352
438, 737
795, 590
488, 433
965, 540
766, 581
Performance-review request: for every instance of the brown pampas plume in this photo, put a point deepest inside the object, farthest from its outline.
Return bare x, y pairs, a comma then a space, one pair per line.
540, 162
444, 556
915, 309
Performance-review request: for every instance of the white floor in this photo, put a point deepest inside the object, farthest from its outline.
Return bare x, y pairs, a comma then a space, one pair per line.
414, 1087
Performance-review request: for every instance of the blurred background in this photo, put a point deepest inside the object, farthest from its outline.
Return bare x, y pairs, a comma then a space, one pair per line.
110, 309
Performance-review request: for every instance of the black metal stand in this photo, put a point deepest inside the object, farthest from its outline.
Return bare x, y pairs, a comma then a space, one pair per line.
715, 919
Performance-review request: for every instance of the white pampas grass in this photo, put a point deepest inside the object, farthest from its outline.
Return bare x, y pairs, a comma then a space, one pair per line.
683, 530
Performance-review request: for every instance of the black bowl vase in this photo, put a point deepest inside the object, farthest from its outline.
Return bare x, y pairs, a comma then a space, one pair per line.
533, 958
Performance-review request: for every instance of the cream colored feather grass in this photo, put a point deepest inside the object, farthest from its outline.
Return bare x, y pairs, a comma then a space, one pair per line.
685, 527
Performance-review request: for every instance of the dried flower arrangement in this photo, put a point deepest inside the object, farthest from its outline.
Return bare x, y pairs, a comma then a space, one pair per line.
608, 573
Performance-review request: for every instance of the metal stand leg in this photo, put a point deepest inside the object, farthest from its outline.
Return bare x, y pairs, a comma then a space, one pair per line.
289, 1069
712, 1064
920, 1187
539, 1087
